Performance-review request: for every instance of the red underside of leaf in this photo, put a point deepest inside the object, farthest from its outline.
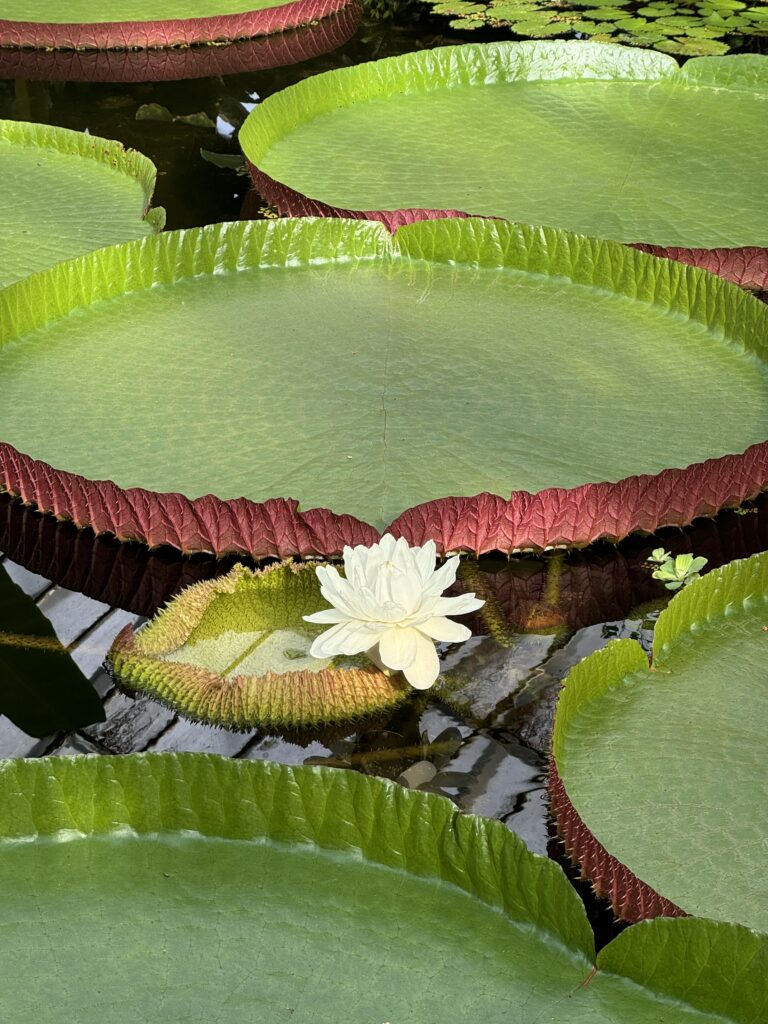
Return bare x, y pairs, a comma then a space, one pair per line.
746, 266
172, 64
486, 522
122, 35
631, 899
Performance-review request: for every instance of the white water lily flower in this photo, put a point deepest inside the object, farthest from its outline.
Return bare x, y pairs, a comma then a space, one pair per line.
388, 604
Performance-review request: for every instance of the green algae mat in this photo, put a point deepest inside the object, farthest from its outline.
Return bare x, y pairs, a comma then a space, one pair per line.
664, 768
209, 889
326, 361
600, 139
65, 193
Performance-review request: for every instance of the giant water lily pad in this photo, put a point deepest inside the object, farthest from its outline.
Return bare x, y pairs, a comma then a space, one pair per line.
612, 142
234, 652
327, 362
124, 24
247, 891
65, 193
662, 774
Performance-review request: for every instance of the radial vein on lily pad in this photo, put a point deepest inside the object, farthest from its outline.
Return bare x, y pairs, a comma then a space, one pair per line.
389, 604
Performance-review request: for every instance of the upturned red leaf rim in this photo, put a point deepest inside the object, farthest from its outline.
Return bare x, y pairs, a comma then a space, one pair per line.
631, 898
170, 64
567, 517
126, 35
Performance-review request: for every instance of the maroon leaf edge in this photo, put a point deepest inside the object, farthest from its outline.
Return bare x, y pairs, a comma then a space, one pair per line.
572, 517
632, 899
746, 266
169, 32
280, 49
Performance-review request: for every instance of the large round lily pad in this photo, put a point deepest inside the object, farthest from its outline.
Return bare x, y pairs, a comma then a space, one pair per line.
327, 362
612, 142
65, 193
208, 889
665, 767
124, 24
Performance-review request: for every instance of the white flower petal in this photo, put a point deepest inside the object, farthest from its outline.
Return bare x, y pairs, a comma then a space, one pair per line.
345, 638
425, 668
440, 628
338, 591
460, 605
406, 590
398, 647
424, 557
443, 577
327, 615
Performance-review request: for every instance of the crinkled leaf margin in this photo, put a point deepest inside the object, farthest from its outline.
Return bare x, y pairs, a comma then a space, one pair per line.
478, 524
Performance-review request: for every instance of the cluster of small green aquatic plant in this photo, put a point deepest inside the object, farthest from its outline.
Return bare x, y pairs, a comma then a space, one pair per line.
693, 28
675, 571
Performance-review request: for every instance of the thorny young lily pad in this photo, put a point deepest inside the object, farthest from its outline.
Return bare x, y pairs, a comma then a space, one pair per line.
463, 381
235, 652
314, 896
604, 140
661, 787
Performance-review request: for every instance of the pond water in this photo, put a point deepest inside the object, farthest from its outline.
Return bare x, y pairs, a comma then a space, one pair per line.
485, 744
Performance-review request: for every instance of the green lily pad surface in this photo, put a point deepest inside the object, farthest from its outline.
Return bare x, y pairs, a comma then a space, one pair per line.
210, 889
329, 362
666, 767
65, 193
234, 652
612, 142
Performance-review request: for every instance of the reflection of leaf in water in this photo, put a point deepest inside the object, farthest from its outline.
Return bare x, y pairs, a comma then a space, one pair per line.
41, 688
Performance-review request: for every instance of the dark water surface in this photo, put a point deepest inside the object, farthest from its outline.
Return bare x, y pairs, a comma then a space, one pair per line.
485, 745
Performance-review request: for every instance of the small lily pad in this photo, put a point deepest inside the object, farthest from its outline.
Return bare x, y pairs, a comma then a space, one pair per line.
234, 652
